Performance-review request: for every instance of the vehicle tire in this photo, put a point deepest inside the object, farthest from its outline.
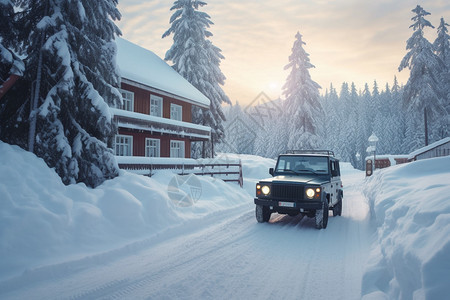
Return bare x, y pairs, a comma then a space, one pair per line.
337, 209
322, 216
262, 213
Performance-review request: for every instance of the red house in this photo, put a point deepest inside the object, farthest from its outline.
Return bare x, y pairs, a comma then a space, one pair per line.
155, 119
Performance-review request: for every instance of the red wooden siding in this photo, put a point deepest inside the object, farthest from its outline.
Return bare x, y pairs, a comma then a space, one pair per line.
186, 107
139, 142
141, 98
142, 102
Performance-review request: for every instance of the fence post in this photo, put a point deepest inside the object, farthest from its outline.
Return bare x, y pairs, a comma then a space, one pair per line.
241, 179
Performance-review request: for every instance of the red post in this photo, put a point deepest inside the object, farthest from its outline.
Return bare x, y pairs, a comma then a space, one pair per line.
8, 84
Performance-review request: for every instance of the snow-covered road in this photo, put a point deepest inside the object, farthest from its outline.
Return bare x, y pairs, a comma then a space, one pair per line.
226, 255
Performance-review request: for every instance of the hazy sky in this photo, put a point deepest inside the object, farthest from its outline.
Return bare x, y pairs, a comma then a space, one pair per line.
348, 40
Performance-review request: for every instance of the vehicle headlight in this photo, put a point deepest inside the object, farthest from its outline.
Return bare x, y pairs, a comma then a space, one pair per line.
265, 190
313, 193
310, 193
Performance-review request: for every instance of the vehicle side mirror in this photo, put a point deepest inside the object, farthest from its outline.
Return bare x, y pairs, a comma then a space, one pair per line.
271, 171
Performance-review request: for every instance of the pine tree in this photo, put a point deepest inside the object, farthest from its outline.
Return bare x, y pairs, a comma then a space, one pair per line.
303, 107
422, 92
398, 118
344, 124
70, 61
330, 107
356, 135
442, 50
196, 58
10, 65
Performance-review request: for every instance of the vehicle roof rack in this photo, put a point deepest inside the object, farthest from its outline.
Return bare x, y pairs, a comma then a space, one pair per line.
323, 152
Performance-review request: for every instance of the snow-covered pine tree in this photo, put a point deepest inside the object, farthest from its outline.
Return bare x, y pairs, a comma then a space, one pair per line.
14, 105
195, 58
11, 65
398, 118
357, 131
442, 50
240, 132
70, 60
304, 112
329, 104
375, 104
367, 120
382, 122
344, 125
422, 93
9, 62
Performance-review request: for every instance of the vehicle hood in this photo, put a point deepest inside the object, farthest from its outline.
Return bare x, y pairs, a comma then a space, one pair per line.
309, 179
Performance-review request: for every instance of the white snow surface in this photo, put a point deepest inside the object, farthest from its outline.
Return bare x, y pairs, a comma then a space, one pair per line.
143, 66
42, 220
411, 255
131, 239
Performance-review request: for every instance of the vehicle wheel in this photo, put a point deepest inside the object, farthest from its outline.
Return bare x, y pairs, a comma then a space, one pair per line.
337, 209
322, 216
262, 213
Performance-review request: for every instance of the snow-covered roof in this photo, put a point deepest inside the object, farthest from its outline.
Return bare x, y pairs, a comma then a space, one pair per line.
145, 67
154, 119
429, 147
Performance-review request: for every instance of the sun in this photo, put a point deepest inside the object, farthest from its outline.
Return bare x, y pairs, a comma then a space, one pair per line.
274, 86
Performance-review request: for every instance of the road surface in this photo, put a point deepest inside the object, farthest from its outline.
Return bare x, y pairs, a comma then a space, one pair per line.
227, 255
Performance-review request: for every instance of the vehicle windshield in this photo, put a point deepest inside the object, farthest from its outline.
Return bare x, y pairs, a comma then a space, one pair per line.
291, 164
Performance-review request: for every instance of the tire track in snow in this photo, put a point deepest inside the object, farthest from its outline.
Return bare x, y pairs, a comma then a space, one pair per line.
34, 283
129, 288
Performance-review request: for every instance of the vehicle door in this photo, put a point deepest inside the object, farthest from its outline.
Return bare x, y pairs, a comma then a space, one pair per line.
335, 181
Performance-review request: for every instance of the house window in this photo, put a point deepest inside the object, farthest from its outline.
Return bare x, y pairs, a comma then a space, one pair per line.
152, 147
176, 112
123, 145
156, 106
128, 100
176, 148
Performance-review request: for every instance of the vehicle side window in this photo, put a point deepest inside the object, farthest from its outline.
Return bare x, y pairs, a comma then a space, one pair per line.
334, 168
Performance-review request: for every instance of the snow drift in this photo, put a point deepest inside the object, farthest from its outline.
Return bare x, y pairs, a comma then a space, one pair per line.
411, 207
44, 221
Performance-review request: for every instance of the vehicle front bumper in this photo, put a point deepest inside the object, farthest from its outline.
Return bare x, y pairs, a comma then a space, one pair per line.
275, 204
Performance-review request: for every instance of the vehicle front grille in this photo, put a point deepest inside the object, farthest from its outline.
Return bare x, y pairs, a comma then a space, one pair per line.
287, 192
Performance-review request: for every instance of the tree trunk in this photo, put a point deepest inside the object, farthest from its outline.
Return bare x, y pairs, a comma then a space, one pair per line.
426, 125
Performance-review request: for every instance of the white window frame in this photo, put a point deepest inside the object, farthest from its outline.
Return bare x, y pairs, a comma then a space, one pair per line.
123, 145
152, 144
128, 100
177, 148
176, 112
156, 109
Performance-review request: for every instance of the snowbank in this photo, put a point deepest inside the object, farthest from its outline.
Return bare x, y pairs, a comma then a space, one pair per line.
411, 207
43, 221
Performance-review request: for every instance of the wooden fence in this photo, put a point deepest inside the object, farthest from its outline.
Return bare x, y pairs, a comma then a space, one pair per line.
226, 171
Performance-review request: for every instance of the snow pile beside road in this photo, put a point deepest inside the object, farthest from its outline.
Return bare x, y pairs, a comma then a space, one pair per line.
42, 221
411, 207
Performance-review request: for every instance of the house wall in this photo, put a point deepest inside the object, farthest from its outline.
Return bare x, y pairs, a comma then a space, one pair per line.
139, 142
142, 102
